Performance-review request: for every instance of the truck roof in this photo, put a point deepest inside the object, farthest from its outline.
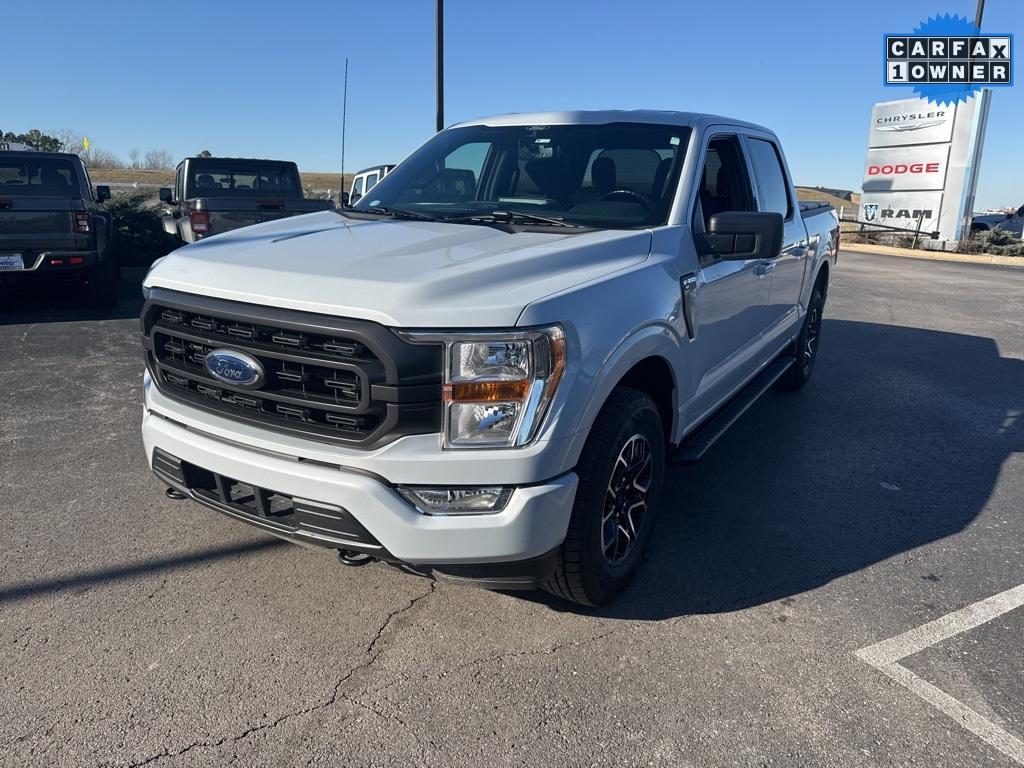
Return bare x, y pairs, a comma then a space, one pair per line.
598, 117
375, 168
37, 155
218, 159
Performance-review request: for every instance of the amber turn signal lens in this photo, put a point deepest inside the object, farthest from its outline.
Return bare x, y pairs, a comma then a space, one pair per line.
486, 391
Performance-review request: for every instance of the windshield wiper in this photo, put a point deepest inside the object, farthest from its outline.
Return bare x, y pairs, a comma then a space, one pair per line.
513, 217
400, 213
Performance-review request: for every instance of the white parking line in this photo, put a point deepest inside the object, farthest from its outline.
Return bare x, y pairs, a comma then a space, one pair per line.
886, 655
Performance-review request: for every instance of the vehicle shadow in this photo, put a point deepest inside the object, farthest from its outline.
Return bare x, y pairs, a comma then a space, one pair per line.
55, 302
896, 442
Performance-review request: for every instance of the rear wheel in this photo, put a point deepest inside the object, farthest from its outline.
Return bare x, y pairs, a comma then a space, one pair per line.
621, 471
805, 348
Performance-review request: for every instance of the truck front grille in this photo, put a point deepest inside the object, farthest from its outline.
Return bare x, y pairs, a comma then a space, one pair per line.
330, 379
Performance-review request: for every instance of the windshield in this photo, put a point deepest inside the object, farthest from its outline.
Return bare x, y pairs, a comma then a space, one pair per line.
617, 175
218, 179
40, 177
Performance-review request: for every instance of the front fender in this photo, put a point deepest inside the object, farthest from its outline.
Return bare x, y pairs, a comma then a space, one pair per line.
657, 340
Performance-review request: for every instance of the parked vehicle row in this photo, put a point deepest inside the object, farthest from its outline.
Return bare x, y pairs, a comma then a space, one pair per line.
480, 370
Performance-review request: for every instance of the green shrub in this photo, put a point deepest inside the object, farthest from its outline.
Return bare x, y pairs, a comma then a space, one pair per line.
996, 241
139, 235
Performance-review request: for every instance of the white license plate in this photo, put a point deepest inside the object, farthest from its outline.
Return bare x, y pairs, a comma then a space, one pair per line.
11, 261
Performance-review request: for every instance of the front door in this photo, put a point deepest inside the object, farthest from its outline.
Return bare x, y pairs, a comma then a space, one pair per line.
730, 298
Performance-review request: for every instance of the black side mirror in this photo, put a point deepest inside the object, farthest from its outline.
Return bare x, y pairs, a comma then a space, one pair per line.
742, 235
165, 195
102, 193
344, 200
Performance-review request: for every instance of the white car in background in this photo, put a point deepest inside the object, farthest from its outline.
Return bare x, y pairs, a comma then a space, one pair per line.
364, 181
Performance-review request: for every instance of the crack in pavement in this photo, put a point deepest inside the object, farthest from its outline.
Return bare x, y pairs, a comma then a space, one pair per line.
372, 654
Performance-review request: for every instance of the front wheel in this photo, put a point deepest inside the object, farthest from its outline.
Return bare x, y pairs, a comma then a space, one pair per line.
621, 471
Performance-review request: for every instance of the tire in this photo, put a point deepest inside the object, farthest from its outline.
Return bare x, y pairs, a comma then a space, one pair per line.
102, 283
599, 558
805, 348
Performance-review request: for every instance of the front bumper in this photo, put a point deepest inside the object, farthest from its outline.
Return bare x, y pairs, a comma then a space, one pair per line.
527, 531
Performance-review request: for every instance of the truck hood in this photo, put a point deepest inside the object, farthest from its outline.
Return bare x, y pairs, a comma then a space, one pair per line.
408, 274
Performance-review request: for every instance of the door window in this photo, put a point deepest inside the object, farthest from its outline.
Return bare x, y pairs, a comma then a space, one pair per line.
771, 181
357, 186
371, 179
724, 183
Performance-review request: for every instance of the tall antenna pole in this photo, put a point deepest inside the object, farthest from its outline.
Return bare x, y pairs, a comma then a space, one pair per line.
440, 65
344, 115
977, 16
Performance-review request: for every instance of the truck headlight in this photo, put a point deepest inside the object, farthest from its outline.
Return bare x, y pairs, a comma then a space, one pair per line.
498, 386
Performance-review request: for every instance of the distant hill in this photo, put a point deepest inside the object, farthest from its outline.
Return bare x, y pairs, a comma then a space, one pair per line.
318, 181
819, 193
325, 181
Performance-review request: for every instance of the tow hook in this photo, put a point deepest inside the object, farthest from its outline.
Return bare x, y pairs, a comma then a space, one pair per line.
353, 559
174, 493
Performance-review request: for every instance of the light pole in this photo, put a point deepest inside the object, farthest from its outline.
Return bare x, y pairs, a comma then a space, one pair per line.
440, 65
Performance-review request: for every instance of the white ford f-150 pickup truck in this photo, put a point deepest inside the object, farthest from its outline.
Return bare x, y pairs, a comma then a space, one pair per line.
481, 370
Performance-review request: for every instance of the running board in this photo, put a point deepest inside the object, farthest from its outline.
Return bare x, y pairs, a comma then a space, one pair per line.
697, 443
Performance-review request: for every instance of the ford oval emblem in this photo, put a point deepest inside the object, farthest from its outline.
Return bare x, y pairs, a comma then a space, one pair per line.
235, 368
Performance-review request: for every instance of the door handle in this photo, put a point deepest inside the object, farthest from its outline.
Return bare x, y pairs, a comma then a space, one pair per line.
764, 267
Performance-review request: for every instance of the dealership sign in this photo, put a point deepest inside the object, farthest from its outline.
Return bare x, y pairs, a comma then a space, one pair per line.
899, 169
921, 165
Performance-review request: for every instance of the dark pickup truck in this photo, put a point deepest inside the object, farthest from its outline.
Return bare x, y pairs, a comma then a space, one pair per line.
217, 194
51, 226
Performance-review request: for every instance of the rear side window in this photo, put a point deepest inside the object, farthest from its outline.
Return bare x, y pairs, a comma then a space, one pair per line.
41, 177
771, 181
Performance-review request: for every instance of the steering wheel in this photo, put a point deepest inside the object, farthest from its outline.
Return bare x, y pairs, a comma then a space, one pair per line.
628, 193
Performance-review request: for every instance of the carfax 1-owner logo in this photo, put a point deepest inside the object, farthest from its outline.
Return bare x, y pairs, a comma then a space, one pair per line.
946, 59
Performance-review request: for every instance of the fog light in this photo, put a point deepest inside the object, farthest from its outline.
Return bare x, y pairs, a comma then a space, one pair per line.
481, 500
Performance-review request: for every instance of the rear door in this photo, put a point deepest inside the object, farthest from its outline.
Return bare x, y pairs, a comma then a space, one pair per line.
774, 193
729, 302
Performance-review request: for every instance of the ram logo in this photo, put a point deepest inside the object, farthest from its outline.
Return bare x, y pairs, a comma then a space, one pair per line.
870, 212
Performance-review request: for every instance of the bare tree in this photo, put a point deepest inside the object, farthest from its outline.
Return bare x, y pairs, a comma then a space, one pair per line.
157, 160
70, 141
101, 158
133, 158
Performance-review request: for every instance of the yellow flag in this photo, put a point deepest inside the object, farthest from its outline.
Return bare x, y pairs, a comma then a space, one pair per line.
85, 143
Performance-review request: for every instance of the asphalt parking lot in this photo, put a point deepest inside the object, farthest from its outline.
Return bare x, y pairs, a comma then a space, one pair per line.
879, 503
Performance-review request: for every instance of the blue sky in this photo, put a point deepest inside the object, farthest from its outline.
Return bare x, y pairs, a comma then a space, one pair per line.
265, 78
